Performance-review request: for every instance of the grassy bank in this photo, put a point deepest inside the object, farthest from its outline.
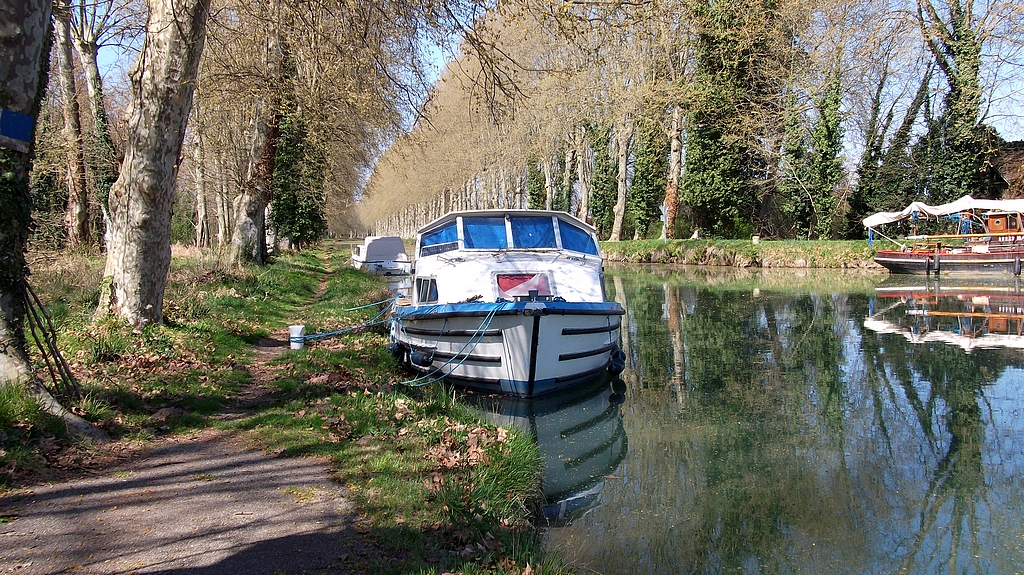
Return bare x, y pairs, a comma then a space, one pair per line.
744, 253
440, 490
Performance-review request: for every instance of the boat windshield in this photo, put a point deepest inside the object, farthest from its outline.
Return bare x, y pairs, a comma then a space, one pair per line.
575, 239
441, 240
492, 233
533, 232
484, 233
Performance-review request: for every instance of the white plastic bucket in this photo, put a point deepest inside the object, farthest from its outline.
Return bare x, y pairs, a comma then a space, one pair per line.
296, 335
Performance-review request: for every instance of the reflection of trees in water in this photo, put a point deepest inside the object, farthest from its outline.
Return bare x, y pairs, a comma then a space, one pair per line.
727, 360
769, 433
950, 420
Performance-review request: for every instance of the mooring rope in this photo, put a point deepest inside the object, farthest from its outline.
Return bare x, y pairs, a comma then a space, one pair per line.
372, 322
478, 335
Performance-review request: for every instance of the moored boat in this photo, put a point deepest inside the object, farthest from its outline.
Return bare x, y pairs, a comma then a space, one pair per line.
508, 301
381, 255
989, 237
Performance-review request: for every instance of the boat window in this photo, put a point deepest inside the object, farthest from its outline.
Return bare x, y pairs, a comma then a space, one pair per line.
426, 290
439, 241
533, 232
576, 239
484, 233
518, 286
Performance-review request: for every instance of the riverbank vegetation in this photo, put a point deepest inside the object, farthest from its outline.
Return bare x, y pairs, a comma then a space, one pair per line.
440, 490
745, 253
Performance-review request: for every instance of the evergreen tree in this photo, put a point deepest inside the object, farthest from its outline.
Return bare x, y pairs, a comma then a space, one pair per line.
740, 46
298, 206
535, 192
604, 185
649, 178
793, 172
825, 164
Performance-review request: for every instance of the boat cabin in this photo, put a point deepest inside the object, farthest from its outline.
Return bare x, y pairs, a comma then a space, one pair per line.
383, 255
1001, 221
507, 255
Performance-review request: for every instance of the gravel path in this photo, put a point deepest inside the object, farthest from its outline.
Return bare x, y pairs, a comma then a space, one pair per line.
199, 505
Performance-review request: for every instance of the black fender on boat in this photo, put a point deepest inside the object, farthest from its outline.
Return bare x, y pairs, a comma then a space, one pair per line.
421, 359
617, 361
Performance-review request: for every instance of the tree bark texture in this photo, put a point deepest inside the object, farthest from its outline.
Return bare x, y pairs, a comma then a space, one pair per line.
584, 173
624, 134
24, 51
162, 84
76, 214
675, 164
549, 181
202, 221
248, 241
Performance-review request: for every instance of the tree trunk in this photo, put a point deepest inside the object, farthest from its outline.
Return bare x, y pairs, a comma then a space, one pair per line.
139, 253
549, 181
249, 241
675, 164
76, 214
624, 134
223, 204
101, 159
567, 178
584, 173
202, 222
24, 58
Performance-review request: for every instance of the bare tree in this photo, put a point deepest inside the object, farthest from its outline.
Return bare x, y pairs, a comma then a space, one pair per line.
94, 24
76, 220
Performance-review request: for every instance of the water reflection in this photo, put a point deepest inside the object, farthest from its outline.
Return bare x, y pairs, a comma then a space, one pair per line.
770, 432
970, 314
580, 436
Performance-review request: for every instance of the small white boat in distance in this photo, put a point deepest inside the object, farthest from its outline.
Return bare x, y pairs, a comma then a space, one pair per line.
508, 301
381, 255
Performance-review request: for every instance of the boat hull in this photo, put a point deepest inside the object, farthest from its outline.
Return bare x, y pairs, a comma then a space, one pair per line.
383, 268
965, 262
522, 349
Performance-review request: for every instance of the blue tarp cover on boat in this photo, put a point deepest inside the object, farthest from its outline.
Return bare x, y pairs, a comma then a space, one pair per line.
533, 232
484, 233
480, 309
576, 239
442, 236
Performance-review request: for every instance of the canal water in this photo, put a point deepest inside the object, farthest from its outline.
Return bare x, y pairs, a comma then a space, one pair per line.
793, 422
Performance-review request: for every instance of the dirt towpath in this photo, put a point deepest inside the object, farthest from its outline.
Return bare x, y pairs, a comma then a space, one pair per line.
190, 505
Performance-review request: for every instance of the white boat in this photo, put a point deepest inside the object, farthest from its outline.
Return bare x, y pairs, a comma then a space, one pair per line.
381, 255
989, 238
508, 301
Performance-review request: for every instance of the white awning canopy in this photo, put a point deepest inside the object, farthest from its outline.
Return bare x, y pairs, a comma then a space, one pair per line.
963, 204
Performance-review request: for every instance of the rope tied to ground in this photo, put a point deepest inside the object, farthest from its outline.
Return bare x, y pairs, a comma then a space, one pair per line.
376, 320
